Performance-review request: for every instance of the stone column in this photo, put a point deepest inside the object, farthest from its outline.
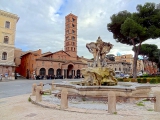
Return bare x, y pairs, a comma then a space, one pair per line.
111, 102
41, 84
75, 72
64, 99
56, 71
46, 71
64, 73
157, 103
38, 95
34, 89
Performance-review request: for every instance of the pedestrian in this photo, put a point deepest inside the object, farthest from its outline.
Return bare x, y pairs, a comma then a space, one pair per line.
1, 77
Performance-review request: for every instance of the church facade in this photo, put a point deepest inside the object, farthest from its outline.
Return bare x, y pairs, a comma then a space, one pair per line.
64, 63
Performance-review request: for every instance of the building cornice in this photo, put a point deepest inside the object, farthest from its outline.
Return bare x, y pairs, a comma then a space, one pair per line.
10, 15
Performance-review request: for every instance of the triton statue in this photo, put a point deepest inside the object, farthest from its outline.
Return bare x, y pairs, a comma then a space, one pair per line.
99, 74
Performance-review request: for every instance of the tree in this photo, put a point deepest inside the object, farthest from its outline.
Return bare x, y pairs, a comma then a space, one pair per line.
135, 28
149, 52
157, 58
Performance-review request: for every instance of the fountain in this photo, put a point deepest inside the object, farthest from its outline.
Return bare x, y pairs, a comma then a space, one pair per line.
99, 85
99, 80
99, 74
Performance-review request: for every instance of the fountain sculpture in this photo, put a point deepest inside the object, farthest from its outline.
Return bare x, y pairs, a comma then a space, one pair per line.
99, 74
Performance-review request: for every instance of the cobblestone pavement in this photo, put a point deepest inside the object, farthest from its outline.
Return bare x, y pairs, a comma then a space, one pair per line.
18, 108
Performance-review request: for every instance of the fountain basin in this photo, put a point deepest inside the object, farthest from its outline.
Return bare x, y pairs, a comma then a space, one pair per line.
122, 89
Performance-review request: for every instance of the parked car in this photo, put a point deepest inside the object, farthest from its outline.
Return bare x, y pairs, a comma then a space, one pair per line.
139, 74
18, 75
126, 76
119, 74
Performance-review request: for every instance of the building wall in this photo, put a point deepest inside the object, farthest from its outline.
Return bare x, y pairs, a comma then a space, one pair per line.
28, 63
146, 66
124, 67
125, 58
17, 56
150, 67
7, 46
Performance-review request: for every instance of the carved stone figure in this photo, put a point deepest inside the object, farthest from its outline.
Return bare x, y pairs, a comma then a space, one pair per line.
99, 51
99, 74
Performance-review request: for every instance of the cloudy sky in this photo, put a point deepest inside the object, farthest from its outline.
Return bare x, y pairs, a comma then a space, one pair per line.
41, 23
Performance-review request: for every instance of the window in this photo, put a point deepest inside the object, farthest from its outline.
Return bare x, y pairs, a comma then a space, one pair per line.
73, 38
4, 56
71, 49
68, 26
73, 19
7, 24
73, 25
73, 32
67, 38
6, 39
67, 31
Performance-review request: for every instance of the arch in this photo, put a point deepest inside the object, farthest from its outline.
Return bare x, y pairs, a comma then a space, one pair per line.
4, 56
73, 38
50, 71
58, 73
73, 32
78, 73
70, 71
42, 71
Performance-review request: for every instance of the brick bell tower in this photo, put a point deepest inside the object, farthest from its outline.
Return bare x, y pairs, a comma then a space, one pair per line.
70, 42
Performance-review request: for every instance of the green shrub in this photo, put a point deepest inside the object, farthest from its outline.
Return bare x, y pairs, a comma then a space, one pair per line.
150, 109
145, 75
133, 80
139, 80
120, 79
29, 99
158, 79
115, 113
126, 80
144, 80
140, 104
83, 99
153, 81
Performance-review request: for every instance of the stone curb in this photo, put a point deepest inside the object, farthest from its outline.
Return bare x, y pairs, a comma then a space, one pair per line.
77, 110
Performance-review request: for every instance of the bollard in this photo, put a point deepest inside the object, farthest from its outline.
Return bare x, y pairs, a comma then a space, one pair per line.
34, 89
111, 102
64, 99
38, 95
41, 84
52, 85
157, 102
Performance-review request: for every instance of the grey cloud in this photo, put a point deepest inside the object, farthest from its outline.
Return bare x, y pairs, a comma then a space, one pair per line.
41, 26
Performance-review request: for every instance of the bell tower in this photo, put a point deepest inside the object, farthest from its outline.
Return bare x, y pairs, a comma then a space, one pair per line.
70, 42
